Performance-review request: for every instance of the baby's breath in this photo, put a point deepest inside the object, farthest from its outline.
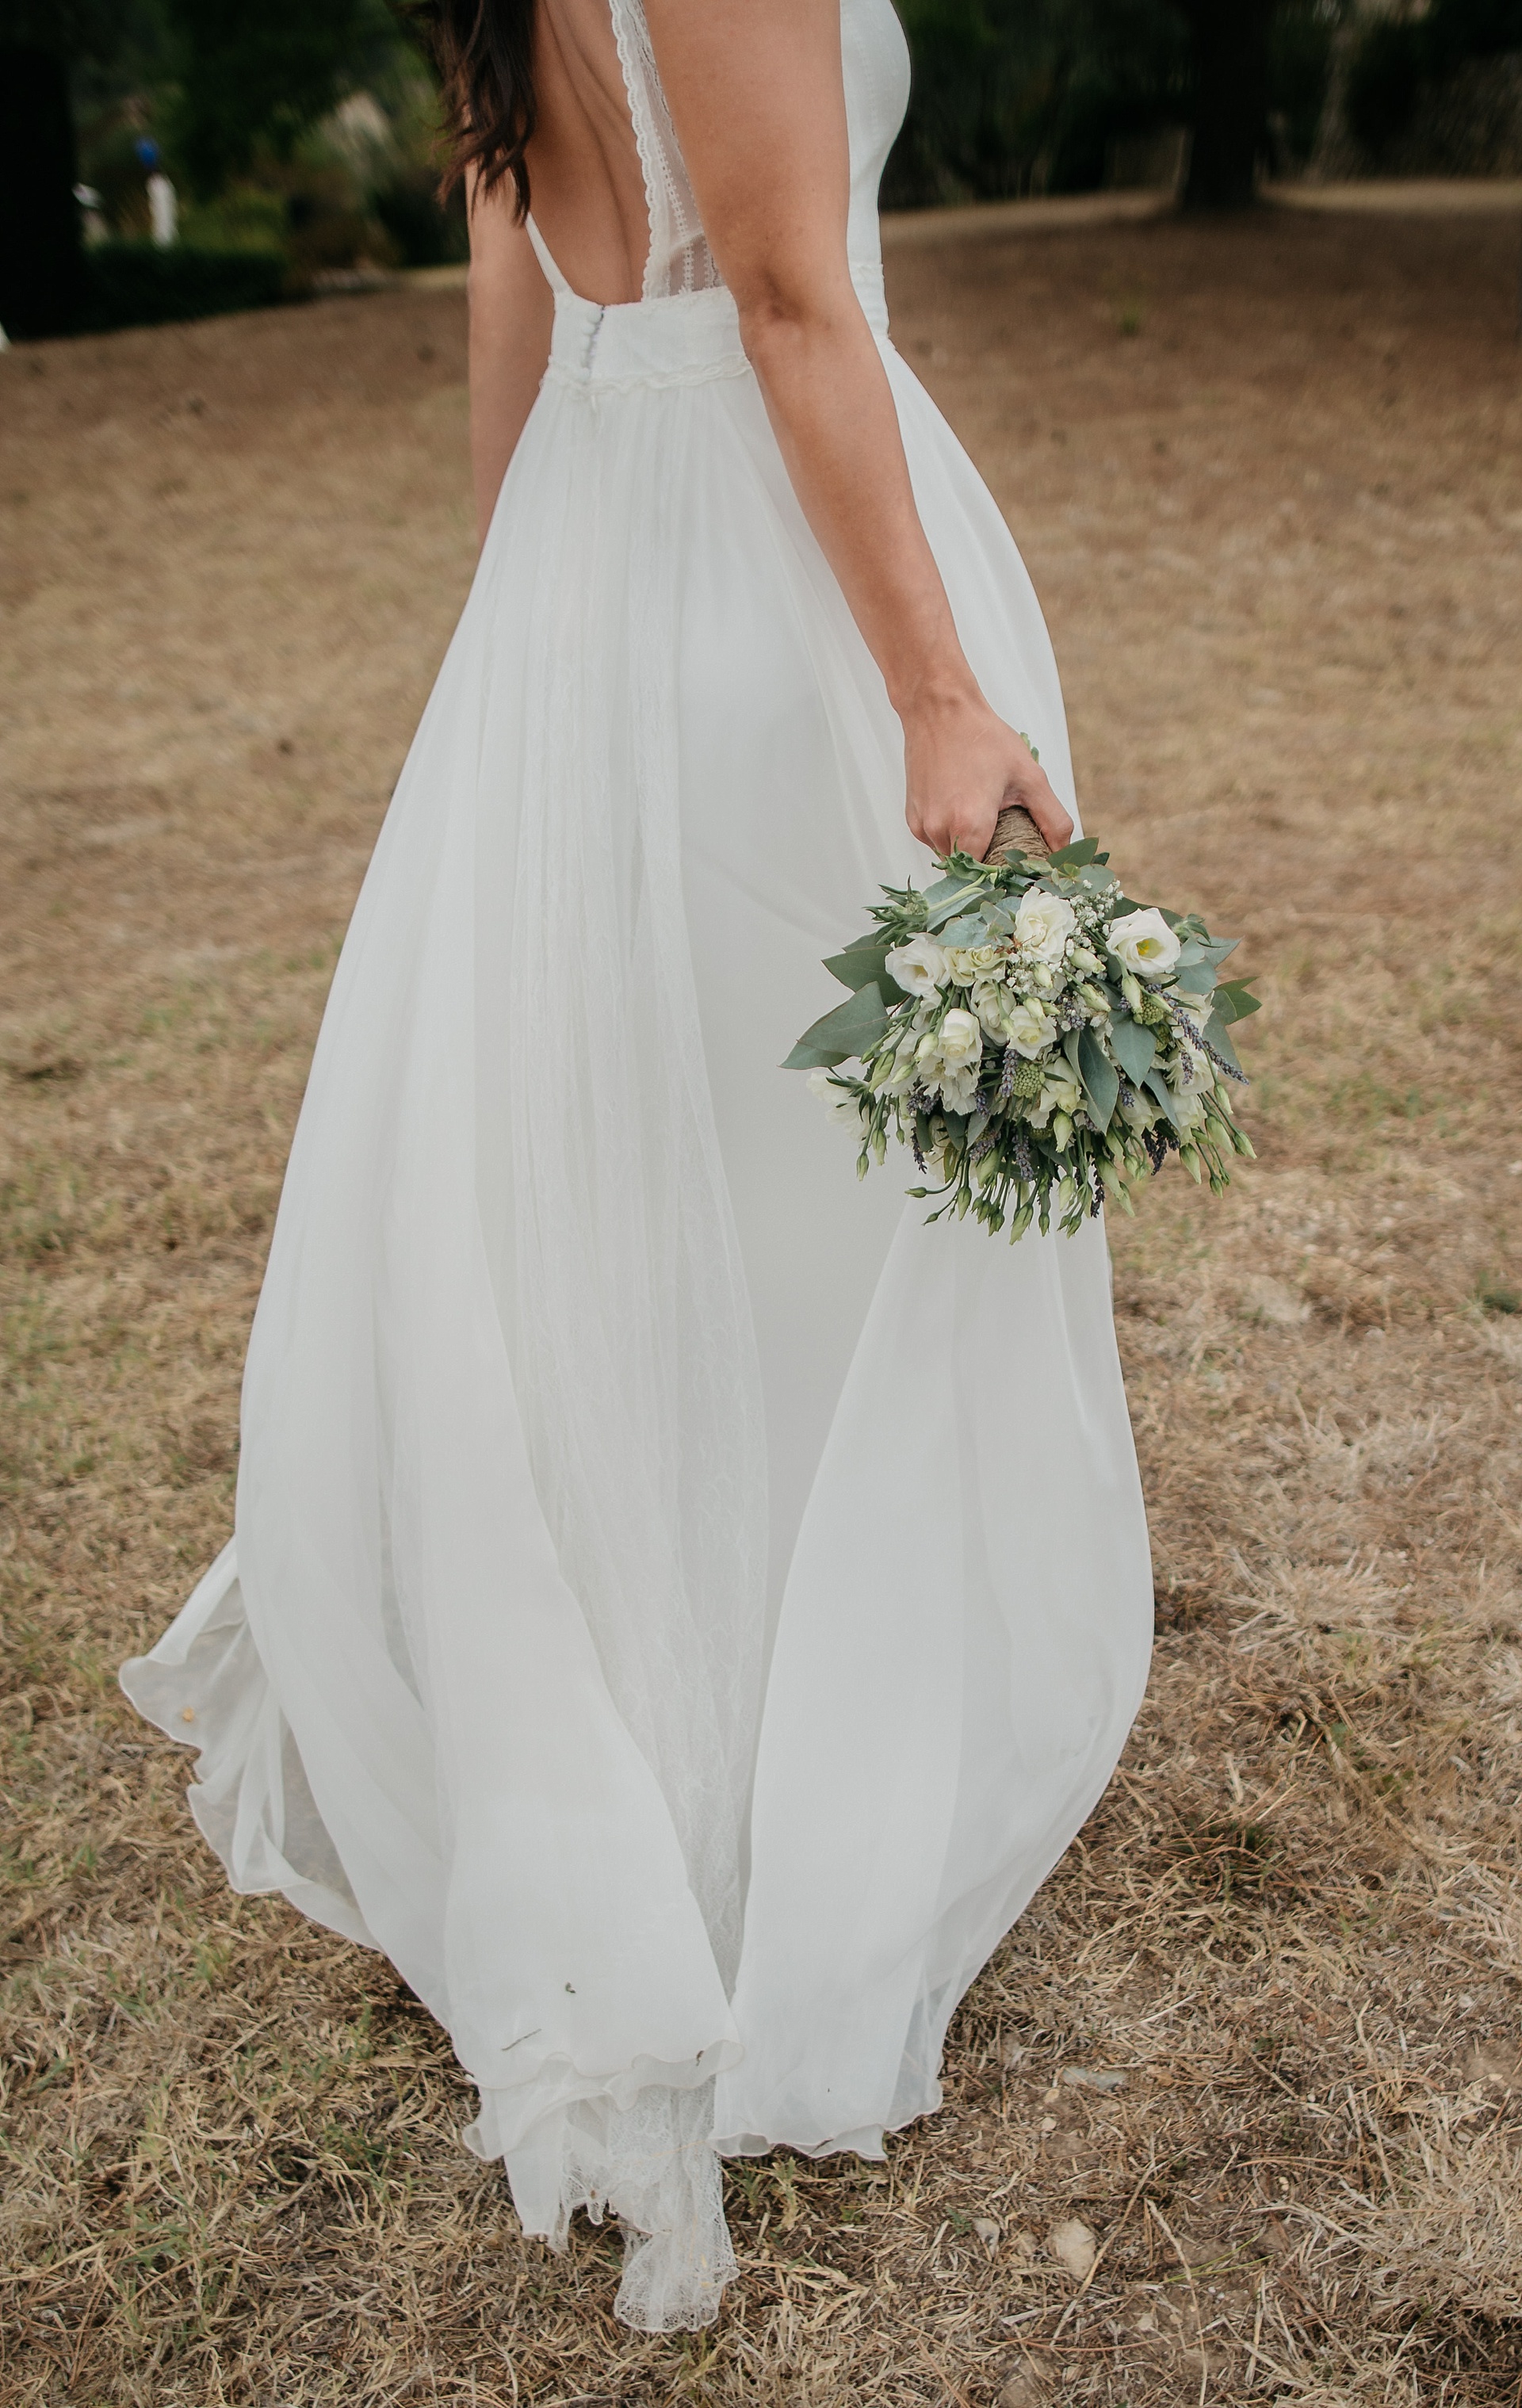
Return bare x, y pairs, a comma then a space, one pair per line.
1036, 1040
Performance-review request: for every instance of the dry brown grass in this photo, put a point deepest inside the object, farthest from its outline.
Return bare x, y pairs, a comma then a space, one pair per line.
1278, 527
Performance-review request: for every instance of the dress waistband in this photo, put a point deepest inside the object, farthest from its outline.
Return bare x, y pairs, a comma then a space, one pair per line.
687, 338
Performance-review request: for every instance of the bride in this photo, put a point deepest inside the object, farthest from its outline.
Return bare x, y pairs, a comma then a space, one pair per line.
681, 1606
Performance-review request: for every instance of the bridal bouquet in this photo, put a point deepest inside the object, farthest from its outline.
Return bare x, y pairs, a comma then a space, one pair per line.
1036, 1038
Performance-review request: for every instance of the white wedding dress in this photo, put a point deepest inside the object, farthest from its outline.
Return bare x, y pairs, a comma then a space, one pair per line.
682, 1607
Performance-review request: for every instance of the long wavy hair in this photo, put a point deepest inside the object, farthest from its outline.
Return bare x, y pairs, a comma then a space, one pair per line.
484, 52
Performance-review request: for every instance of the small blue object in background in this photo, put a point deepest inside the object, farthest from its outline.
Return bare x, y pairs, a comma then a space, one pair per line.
148, 153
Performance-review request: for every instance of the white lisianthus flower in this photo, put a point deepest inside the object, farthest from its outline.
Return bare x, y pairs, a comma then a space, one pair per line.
1192, 1072
1029, 1030
968, 963
1194, 1010
1144, 945
919, 967
959, 1089
845, 1107
1060, 1093
1043, 924
960, 1041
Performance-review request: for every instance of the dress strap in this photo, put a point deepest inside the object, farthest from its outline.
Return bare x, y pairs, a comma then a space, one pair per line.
678, 259
542, 252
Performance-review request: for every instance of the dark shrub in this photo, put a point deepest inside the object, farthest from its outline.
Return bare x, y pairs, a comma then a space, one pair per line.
135, 284
422, 234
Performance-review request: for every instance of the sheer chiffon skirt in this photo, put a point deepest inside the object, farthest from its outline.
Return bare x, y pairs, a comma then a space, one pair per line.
681, 1607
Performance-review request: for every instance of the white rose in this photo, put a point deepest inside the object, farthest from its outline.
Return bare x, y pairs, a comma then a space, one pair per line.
969, 962
919, 967
1043, 924
961, 1042
1143, 943
1028, 1031
993, 1005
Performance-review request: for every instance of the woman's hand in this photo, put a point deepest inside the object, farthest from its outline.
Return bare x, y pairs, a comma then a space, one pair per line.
963, 766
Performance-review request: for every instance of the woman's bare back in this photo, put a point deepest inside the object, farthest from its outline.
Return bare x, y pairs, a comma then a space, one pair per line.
583, 162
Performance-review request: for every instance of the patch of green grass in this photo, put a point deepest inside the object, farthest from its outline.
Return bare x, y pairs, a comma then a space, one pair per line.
1497, 1296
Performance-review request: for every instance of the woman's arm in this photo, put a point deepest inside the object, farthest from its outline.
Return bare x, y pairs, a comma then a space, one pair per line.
756, 95
511, 313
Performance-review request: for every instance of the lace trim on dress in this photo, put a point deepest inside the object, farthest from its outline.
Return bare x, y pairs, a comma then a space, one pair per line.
678, 259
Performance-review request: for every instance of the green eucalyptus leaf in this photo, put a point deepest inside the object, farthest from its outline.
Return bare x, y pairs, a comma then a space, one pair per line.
1075, 856
1215, 1036
1157, 1085
861, 964
1234, 1000
1195, 978
852, 1028
1134, 1048
953, 895
1101, 1081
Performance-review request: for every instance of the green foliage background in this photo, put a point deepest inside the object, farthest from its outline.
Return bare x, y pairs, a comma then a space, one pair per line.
1010, 97
1016, 95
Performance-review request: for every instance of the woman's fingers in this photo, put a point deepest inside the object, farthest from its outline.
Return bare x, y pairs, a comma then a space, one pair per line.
963, 766
1034, 795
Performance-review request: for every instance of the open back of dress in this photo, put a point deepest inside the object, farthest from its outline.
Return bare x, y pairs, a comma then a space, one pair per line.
681, 1606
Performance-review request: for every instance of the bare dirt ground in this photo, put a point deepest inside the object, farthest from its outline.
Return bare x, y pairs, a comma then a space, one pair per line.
1260, 2035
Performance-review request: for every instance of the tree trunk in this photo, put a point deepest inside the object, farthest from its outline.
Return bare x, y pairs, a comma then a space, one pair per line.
41, 260
1230, 43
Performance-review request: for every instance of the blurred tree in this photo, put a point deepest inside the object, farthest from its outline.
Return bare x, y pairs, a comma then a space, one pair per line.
1013, 94
256, 73
1399, 57
1229, 41
41, 261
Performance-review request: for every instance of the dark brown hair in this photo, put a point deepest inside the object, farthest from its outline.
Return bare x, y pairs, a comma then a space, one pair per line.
484, 50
